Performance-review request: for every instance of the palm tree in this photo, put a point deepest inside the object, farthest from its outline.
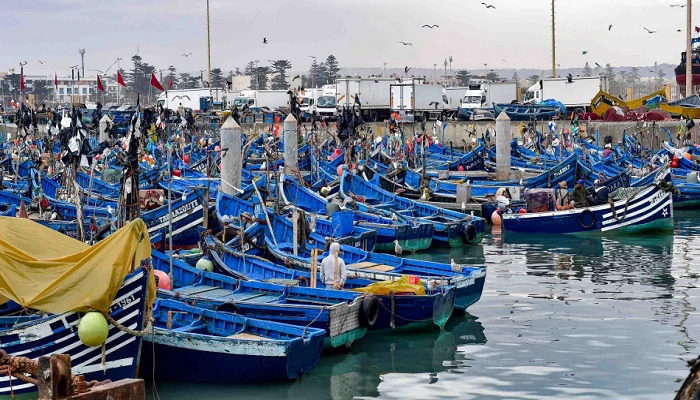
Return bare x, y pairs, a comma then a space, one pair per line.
445, 68
450, 59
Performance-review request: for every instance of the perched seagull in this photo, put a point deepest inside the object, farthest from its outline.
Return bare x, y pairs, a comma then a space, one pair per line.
584, 52
430, 26
186, 54
609, 27
265, 40
648, 30
406, 43
397, 248
455, 267
489, 6
41, 62
464, 206
110, 210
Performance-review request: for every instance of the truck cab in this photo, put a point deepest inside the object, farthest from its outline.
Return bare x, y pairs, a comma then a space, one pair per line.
534, 93
327, 102
475, 97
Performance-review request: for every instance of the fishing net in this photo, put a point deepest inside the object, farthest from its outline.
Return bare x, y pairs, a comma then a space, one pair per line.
111, 175
624, 193
398, 287
539, 200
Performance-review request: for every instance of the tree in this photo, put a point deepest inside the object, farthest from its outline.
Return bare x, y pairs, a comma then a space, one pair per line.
321, 77
463, 77
493, 76
332, 69
587, 71
515, 77
259, 77
217, 78
533, 79
10, 85
659, 77
280, 80
238, 72
172, 76
185, 80
139, 77
42, 90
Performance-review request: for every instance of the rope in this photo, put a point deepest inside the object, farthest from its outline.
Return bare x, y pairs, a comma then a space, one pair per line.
141, 333
303, 334
18, 366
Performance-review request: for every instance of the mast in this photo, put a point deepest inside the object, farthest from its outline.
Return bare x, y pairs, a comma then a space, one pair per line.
554, 47
689, 52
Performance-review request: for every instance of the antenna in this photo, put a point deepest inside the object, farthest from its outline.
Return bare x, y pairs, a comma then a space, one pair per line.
82, 59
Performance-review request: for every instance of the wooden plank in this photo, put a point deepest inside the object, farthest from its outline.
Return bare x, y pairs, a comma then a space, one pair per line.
363, 265
380, 267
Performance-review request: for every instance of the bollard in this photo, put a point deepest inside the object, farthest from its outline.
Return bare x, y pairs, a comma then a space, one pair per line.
502, 146
291, 145
231, 160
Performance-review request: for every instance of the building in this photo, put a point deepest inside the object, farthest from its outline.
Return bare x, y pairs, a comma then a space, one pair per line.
68, 90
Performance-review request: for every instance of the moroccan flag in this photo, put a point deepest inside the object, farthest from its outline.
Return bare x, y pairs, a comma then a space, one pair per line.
21, 79
99, 84
120, 80
170, 83
155, 83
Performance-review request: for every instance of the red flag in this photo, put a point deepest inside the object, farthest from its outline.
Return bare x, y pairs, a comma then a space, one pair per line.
55, 80
697, 29
21, 79
155, 83
120, 80
170, 83
99, 84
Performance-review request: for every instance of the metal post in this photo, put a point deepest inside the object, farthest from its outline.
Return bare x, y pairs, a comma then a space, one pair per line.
554, 47
208, 47
291, 144
689, 52
170, 208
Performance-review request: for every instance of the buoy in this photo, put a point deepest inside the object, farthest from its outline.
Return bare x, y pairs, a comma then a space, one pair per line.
93, 329
687, 156
522, 211
496, 218
460, 168
340, 170
176, 172
205, 264
186, 158
674, 164
163, 279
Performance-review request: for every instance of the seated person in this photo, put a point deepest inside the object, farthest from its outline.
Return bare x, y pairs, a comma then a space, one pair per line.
580, 195
599, 194
563, 200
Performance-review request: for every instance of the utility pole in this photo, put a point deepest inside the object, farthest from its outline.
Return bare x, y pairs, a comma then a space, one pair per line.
435, 72
554, 46
689, 52
384, 68
82, 60
208, 46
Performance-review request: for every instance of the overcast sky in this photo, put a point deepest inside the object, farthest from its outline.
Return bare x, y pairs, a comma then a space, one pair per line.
360, 33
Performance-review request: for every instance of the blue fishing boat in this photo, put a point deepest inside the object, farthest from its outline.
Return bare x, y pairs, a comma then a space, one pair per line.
58, 334
451, 227
645, 208
227, 348
344, 316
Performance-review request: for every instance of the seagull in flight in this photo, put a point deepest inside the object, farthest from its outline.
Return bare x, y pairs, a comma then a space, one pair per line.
186, 54
597, 65
406, 43
609, 27
584, 52
648, 30
430, 26
265, 40
41, 62
678, 5
489, 5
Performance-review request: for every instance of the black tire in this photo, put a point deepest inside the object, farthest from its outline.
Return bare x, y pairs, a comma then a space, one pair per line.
374, 116
469, 234
369, 311
593, 219
230, 308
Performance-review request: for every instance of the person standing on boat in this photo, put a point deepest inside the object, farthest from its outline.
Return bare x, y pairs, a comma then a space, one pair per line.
333, 270
563, 200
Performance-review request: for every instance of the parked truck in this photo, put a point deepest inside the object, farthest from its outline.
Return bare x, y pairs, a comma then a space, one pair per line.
257, 99
414, 100
327, 102
574, 92
374, 96
199, 100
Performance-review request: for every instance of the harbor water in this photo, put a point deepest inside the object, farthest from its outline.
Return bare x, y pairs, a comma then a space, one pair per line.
561, 317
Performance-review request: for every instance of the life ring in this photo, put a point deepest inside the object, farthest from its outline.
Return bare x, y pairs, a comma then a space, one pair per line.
593, 219
469, 234
369, 310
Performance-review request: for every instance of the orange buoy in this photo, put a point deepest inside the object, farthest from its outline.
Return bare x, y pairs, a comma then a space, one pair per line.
340, 170
687, 156
163, 279
460, 168
496, 218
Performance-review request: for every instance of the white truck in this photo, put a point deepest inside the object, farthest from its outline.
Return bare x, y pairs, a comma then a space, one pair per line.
327, 102
309, 100
500, 92
257, 99
374, 94
414, 100
574, 93
454, 96
199, 100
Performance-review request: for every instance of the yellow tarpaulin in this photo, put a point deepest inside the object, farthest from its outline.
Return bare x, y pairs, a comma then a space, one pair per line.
48, 271
401, 285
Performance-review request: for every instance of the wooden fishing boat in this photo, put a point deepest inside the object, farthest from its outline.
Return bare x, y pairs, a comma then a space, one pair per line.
649, 208
344, 316
227, 348
527, 112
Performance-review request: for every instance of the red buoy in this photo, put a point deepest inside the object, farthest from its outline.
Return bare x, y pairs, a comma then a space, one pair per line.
163, 279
